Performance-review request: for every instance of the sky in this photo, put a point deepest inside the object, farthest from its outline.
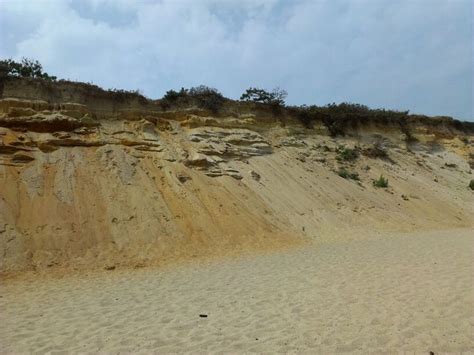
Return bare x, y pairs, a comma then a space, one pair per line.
412, 55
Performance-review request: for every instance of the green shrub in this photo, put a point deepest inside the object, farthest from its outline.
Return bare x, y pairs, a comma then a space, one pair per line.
471, 184
381, 182
203, 96
207, 98
123, 95
173, 96
343, 173
346, 154
377, 151
347, 175
304, 116
340, 118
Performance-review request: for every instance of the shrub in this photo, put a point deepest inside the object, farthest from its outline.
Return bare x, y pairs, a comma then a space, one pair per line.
381, 182
305, 118
347, 175
471, 184
346, 154
377, 151
203, 90
207, 98
203, 96
338, 118
173, 96
122, 95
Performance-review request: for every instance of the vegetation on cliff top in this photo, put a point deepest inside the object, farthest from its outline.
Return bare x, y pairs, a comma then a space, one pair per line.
275, 97
203, 96
337, 118
33, 70
27, 68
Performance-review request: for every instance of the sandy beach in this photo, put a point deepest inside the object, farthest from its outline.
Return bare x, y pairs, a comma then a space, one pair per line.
398, 293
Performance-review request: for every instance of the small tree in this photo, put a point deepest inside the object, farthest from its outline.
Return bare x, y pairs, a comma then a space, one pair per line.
27, 68
277, 96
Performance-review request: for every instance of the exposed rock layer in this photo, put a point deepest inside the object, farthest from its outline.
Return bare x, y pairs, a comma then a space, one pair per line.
119, 183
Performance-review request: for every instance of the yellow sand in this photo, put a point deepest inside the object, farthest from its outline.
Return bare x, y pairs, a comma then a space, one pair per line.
397, 293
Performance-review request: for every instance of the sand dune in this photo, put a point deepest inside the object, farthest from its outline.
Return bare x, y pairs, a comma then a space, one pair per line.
400, 293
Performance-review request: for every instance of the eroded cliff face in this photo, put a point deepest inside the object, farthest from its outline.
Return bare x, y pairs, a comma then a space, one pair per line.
81, 186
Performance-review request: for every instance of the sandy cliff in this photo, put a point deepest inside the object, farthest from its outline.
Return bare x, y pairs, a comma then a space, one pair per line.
89, 179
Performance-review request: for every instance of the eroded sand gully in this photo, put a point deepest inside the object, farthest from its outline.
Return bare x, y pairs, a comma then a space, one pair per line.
411, 292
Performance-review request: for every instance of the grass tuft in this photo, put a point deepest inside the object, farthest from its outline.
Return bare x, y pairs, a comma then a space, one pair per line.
348, 175
381, 182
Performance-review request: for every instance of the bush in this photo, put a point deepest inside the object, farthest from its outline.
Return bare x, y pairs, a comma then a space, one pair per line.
27, 68
202, 96
338, 118
305, 118
123, 95
173, 96
203, 90
471, 184
377, 151
207, 98
381, 182
346, 154
347, 175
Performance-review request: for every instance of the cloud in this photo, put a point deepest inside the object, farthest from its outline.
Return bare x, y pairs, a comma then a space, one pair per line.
406, 54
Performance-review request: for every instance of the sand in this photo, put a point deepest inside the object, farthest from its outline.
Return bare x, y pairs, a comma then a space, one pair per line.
411, 292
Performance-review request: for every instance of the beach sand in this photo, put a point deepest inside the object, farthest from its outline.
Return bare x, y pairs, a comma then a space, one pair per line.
397, 293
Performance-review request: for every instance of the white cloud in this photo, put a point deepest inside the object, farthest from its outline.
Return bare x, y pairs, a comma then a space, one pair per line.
407, 54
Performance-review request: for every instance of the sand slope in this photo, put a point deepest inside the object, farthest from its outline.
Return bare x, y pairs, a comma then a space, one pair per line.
409, 292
